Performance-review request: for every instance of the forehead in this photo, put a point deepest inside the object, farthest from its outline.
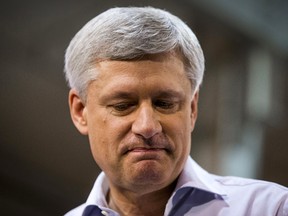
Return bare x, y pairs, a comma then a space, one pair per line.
150, 73
154, 64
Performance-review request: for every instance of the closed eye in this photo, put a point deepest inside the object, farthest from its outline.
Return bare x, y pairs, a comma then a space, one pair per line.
166, 106
122, 108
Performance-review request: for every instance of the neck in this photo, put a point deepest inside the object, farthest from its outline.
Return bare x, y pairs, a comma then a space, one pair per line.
134, 203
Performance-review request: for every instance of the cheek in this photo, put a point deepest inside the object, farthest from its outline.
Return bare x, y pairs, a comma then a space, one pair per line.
105, 134
98, 137
186, 129
179, 129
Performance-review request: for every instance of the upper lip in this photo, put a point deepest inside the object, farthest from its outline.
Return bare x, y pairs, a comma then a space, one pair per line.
144, 148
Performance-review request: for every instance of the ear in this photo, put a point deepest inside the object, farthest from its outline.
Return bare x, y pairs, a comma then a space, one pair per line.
194, 109
78, 112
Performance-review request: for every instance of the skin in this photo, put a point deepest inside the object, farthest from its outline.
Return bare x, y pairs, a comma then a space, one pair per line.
139, 116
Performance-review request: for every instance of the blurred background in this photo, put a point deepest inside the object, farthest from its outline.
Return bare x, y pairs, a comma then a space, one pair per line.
46, 165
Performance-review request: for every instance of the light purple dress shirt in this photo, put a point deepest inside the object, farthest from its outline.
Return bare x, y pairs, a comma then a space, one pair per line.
199, 193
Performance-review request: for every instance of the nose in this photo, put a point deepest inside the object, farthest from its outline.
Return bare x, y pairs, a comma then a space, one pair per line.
146, 123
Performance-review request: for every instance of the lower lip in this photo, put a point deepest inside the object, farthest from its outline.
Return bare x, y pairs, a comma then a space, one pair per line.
147, 153
147, 150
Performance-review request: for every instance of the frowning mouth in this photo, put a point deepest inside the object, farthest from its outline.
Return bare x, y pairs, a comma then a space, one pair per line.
146, 149
140, 154
155, 146
147, 153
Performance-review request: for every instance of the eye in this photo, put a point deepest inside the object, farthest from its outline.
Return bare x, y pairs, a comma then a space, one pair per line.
166, 106
122, 108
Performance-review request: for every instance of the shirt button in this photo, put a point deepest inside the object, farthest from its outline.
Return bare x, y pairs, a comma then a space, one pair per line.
104, 213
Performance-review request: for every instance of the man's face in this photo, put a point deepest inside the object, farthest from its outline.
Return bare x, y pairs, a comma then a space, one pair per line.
139, 117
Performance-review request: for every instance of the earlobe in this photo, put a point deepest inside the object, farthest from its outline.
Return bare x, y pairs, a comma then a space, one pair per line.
78, 112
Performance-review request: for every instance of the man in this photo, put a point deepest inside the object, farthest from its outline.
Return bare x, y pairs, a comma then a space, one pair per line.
134, 75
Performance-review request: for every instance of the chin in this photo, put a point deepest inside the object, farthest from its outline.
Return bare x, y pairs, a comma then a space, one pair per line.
150, 173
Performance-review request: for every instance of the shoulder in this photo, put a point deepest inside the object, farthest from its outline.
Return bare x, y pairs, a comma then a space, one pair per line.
230, 182
243, 195
254, 194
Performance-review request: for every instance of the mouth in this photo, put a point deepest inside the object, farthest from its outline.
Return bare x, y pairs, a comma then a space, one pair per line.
140, 154
146, 150
154, 146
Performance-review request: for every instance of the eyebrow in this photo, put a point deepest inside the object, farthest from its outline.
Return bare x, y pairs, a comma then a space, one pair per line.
118, 95
169, 93
165, 93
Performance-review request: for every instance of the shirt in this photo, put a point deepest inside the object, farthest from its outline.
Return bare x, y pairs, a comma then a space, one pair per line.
200, 193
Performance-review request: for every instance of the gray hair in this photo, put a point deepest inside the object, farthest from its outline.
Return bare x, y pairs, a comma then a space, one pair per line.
129, 34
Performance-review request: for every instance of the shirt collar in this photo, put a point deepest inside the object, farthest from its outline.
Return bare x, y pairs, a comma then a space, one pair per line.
99, 191
195, 176
195, 186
